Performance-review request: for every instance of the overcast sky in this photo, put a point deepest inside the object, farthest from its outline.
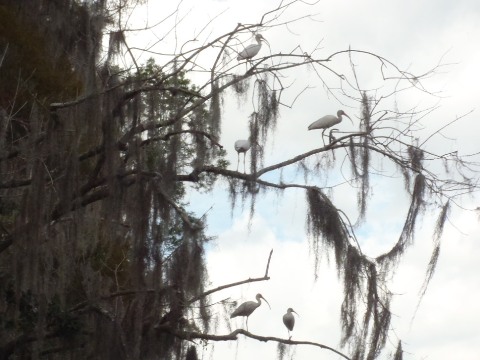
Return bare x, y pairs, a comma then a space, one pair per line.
416, 35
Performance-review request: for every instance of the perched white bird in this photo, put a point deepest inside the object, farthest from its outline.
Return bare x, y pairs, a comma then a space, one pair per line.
289, 320
248, 307
242, 146
251, 50
328, 121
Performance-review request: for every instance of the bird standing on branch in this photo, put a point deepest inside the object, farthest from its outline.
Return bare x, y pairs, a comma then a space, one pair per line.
328, 121
251, 50
289, 320
242, 146
248, 307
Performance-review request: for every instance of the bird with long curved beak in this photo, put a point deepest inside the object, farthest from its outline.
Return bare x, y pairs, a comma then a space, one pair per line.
328, 121
248, 307
251, 50
289, 320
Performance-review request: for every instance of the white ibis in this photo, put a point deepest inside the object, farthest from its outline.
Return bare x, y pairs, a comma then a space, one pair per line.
242, 146
251, 50
289, 320
328, 121
248, 307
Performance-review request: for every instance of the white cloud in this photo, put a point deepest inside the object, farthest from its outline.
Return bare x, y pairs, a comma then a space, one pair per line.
242, 255
447, 317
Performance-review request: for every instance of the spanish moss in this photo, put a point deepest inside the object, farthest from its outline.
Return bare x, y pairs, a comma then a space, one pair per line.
103, 160
432, 264
365, 126
398, 352
326, 227
267, 113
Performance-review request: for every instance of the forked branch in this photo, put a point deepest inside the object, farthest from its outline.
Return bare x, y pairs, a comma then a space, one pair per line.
249, 280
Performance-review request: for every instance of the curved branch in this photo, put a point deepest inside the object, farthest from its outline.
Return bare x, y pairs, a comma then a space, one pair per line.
300, 157
233, 336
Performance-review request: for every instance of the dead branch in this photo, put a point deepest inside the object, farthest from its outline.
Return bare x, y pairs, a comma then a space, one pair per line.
173, 133
233, 336
249, 280
268, 263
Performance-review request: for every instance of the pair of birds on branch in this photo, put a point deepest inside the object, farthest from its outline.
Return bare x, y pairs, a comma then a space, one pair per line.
248, 307
325, 122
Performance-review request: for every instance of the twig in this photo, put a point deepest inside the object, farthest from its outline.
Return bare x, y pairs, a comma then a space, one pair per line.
268, 263
121, 293
4, 54
193, 132
249, 280
186, 219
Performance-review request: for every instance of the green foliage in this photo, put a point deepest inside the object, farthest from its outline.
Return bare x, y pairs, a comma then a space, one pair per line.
29, 64
189, 149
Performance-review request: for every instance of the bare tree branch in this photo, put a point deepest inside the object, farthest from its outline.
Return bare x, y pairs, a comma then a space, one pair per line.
233, 336
249, 280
